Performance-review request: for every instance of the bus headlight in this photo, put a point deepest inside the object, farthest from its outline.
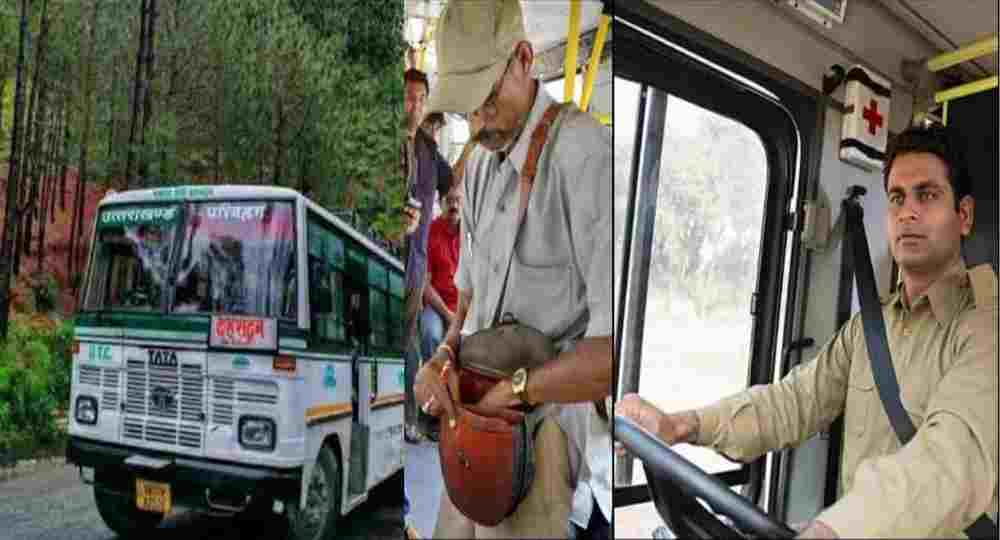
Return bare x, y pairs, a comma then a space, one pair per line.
257, 433
86, 410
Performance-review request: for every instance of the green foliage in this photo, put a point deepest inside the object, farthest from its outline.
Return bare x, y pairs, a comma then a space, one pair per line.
46, 291
300, 93
35, 376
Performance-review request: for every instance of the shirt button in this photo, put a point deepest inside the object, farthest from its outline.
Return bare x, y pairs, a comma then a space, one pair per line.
503, 208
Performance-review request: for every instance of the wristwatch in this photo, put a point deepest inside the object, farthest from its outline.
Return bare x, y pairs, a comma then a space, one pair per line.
519, 383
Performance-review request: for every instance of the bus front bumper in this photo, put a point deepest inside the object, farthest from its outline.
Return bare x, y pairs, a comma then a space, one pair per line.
189, 478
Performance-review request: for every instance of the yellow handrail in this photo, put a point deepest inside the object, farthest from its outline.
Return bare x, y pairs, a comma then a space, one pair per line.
972, 51
572, 51
967, 90
595, 62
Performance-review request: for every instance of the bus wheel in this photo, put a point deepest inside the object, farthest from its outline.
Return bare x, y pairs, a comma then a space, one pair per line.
318, 520
118, 509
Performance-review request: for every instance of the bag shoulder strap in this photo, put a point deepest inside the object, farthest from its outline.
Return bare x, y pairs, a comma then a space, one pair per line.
527, 181
877, 344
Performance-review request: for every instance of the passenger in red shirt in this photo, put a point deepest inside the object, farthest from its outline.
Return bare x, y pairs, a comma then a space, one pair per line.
441, 294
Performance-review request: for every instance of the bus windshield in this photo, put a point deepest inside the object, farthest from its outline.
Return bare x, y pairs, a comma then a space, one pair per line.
133, 252
222, 258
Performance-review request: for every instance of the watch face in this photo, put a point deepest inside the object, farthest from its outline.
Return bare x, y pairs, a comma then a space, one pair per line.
518, 380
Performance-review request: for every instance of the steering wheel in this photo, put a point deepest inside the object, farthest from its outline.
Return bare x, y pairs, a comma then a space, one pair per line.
676, 485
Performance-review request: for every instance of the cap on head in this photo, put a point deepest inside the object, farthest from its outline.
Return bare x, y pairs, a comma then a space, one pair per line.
473, 41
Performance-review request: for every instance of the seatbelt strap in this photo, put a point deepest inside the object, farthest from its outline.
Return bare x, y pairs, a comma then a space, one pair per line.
883, 371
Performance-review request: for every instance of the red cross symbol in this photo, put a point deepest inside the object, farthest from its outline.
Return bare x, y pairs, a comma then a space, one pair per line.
873, 117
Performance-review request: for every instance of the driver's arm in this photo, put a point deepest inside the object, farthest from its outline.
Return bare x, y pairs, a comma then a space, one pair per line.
767, 418
946, 477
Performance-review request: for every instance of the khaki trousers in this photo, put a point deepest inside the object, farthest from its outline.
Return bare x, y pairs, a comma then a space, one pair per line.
544, 513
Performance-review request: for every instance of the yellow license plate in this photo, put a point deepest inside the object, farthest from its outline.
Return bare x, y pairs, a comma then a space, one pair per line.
152, 496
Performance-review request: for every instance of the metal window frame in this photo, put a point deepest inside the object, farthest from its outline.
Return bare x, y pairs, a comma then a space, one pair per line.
803, 109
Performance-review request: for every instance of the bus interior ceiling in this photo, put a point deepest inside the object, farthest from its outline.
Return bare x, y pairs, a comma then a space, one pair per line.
894, 39
547, 25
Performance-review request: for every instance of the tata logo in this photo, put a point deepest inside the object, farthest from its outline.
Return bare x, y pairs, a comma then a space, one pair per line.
241, 362
162, 358
100, 354
162, 399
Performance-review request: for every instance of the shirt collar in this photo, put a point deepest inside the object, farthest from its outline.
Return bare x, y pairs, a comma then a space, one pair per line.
944, 295
517, 155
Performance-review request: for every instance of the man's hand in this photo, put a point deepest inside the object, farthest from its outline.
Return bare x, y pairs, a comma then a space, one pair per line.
670, 428
817, 529
411, 216
431, 393
500, 396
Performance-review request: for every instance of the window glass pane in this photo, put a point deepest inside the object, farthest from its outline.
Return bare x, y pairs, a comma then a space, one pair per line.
702, 270
396, 284
377, 303
237, 258
335, 250
377, 274
396, 324
357, 263
317, 238
134, 248
706, 241
626, 119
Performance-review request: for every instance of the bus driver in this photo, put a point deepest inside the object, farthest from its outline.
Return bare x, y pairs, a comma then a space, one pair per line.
942, 331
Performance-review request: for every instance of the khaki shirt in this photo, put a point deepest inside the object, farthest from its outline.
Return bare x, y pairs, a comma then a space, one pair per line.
944, 349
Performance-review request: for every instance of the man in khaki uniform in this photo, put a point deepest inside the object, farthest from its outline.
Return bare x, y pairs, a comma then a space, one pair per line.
942, 333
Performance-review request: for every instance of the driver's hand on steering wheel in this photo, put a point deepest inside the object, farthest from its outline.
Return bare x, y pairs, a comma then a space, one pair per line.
670, 428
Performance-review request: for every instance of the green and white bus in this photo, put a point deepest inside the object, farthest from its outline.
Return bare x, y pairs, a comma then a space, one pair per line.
238, 351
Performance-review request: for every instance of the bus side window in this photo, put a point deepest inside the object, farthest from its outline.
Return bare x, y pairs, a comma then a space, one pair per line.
326, 286
396, 313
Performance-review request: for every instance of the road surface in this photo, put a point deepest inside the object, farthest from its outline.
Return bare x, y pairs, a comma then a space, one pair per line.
424, 485
53, 504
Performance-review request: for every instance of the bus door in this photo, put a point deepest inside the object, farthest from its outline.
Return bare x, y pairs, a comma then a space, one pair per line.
706, 187
358, 329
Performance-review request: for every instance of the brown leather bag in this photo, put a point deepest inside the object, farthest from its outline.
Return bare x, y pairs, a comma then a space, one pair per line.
487, 455
487, 458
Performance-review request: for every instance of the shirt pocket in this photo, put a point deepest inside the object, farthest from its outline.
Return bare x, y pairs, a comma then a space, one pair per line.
860, 398
542, 297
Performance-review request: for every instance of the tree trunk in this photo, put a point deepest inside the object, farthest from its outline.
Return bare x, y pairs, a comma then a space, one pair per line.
64, 158
279, 144
3, 92
87, 78
48, 188
220, 96
136, 95
112, 117
29, 208
147, 106
10, 216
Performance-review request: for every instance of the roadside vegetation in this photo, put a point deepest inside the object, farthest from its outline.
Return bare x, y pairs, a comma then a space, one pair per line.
35, 373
